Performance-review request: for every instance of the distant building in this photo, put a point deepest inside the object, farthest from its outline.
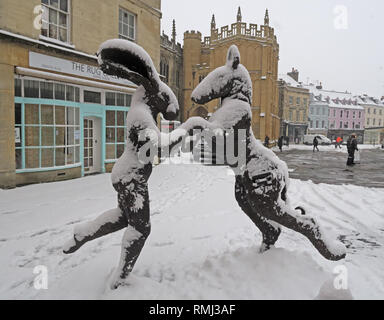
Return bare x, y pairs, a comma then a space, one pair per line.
335, 114
374, 119
61, 117
293, 107
259, 51
171, 64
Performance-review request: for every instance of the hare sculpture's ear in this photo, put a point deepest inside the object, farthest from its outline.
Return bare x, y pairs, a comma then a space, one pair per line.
233, 57
127, 60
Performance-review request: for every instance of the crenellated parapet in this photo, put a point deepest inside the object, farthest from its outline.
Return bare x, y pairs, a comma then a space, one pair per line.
248, 31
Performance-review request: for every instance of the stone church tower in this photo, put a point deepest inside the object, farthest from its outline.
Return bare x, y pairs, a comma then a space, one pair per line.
259, 51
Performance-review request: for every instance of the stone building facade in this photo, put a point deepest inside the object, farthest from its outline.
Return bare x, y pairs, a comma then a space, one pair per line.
259, 51
171, 65
61, 117
293, 107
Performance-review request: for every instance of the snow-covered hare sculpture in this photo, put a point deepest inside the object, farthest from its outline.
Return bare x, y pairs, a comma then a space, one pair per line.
262, 181
130, 174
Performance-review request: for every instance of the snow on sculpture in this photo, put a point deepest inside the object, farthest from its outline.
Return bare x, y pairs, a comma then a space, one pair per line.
130, 174
261, 182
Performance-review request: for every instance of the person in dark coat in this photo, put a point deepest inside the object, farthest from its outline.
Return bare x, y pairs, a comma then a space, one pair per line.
315, 144
266, 142
352, 147
280, 143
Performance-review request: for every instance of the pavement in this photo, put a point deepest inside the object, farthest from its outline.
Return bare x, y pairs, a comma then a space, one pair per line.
328, 166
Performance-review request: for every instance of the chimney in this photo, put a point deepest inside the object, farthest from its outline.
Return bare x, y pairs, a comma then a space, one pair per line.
294, 74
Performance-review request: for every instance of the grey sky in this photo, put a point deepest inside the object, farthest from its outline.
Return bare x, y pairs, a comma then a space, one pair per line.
343, 59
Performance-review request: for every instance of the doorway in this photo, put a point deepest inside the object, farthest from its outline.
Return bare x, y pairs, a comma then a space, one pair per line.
92, 145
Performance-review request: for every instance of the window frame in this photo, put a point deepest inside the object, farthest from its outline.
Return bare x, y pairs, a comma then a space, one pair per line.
122, 23
58, 11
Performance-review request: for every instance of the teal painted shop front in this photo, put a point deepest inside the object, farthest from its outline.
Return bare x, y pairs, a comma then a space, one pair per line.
74, 127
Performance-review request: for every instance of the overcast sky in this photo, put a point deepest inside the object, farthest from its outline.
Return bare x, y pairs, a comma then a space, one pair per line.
343, 51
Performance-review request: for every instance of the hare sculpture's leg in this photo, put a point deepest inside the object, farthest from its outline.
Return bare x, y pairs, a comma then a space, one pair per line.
109, 222
267, 200
137, 213
270, 230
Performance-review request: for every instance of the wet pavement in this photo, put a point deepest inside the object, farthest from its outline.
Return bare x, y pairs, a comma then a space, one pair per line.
330, 167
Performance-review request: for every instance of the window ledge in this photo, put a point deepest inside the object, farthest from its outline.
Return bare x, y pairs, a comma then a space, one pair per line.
58, 42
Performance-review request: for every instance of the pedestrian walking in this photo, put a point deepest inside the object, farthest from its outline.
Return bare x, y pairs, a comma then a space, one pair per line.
339, 141
280, 143
352, 147
315, 144
266, 142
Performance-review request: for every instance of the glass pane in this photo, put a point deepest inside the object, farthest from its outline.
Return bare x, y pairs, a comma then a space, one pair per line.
77, 94
92, 97
64, 5
47, 158
60, 157
110, 135
70, 116
32, 158
47, 135
85, 143
31, 89
125, 29
53, 31
120, 135
60, 136
86, 153
120, 118
110, 152
77, 135
59, 91
70, 93
70, 155
53, 16
77, 158
32, 137
70, 136
31, 114
62, 20
85, 123
128, 100
86, 164
90, 133
111, 119
60, 115
125, 18
47, 114
17, 87
54, 3
131, 21
46, 90
63, 34
18, 159
110, 99
77, 116
18, 137
85, 133
17, 113
120, 150
131, 33
120, 99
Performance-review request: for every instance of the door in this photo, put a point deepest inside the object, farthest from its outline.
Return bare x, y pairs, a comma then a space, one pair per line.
92, 145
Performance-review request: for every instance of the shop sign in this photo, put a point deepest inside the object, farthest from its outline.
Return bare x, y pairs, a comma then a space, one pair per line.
42, 61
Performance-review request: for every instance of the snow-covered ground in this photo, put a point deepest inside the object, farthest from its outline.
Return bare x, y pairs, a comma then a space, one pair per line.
202, 245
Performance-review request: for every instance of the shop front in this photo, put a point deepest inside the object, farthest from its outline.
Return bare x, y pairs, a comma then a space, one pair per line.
69, 120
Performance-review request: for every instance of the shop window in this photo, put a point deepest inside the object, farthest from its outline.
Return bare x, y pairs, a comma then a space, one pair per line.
115, 134
52, 136
127, 25
55, 19
118, 99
